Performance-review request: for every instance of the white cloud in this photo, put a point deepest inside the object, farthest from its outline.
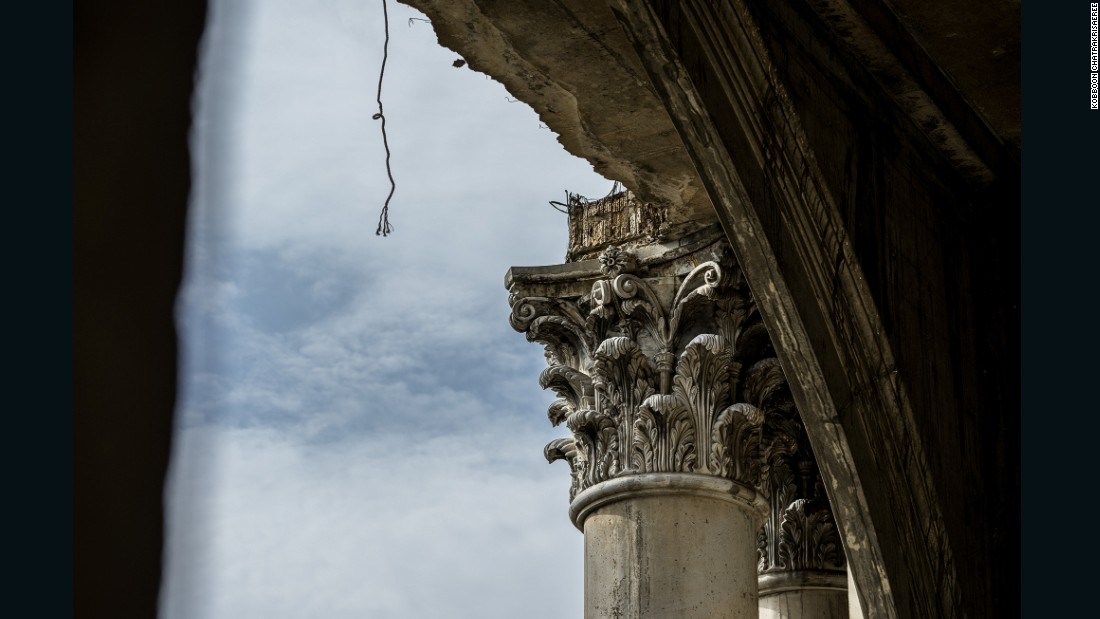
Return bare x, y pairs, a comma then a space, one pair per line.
360, 430
379, 527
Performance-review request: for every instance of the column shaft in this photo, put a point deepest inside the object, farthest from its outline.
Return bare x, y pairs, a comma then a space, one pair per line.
664, 546
805, 604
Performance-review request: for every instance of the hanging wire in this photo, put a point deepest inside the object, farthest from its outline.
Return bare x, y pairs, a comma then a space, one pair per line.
616, 187
576, 199
384, 227
571, 200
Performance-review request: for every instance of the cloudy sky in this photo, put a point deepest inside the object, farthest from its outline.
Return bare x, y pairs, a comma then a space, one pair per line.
360, 432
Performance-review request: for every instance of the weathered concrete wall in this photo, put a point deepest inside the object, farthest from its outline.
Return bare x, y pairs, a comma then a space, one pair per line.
620, 219
134, 72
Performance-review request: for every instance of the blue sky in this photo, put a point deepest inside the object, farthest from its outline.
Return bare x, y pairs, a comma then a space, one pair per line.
360, 432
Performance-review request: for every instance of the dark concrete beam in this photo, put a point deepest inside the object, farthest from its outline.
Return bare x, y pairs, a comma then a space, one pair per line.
869, 275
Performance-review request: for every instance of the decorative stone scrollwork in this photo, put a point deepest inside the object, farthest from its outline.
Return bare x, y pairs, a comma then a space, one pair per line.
808, 538
663, 366
800, 533
648, 371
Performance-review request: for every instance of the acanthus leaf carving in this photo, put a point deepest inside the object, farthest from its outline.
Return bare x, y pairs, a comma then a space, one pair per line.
561, 449
558, 411
566, 342
800, 531
639, 305
735, 443
622, 378
763, 380
808, 538
571, 385
596, 438
664, 436
702, 384
557, 324
616, 366
669, 369
565, 449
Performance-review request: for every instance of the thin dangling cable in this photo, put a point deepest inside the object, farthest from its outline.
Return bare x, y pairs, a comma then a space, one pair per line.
384, 227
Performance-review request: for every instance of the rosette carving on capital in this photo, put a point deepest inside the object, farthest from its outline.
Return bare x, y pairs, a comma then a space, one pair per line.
654, 373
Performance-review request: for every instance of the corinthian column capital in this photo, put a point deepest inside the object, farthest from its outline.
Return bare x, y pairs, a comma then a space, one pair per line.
659, 359
684, 443
799, 546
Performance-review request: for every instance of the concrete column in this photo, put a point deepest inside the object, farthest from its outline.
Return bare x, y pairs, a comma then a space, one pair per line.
659, 546
677, 410
804, 595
